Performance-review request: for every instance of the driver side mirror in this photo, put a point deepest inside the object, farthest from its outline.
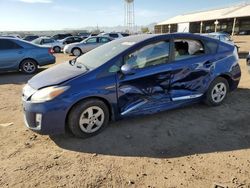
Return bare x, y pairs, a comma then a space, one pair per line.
127, 69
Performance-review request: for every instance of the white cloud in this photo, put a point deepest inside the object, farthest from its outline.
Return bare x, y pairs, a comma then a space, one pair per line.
36, 1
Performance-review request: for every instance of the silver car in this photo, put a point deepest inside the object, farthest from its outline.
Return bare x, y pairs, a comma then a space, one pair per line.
86, 45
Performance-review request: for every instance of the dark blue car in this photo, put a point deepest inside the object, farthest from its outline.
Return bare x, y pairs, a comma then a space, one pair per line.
19, 55
132, 76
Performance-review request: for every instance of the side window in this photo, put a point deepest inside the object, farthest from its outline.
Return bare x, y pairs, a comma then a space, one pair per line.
150, 55
211, 47
92, 40
103, 40
113, 35
46, 41
187, 48
71, 39
77, 39
6, 44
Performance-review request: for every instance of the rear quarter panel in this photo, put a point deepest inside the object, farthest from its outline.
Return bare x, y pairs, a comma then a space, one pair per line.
40, 55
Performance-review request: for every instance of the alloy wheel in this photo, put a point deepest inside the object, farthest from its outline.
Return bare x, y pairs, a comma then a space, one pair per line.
91, 120
29, 67
76, 52
219, 92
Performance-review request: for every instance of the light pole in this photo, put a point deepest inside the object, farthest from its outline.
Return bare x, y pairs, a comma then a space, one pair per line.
201, 27
169, 28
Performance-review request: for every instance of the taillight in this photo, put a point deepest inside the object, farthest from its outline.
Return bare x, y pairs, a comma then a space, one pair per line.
51, 51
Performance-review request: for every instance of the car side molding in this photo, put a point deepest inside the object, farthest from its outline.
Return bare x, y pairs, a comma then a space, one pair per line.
187, 97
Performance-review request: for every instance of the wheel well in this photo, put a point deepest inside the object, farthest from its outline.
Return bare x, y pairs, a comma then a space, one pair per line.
27, 59
89, 98
229, 80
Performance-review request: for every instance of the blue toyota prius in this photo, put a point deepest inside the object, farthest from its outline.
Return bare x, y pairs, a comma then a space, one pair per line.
132, 76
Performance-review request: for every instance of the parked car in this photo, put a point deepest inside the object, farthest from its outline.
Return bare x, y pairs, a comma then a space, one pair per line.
30, 37
245, 32
9, 36
85, 46
84, 35
18, 55
132, 76
224, 37
61, 36
50, 43
111, 35
70, 40
248, 62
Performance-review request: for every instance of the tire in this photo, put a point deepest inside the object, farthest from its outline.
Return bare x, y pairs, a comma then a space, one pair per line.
29, 66
77, 52
248, 62
82, 124
217, 92
57, 49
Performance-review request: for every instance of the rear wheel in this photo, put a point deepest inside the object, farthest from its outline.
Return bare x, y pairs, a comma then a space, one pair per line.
57, 49
76, 52
88, 118
217, 92
28, 66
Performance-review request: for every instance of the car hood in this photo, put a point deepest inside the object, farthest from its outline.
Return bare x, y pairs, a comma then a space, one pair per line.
56, 75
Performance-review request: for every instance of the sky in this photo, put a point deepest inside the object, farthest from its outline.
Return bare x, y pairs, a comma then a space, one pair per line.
24, 15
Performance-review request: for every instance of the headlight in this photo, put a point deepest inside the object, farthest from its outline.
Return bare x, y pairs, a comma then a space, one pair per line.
48, 93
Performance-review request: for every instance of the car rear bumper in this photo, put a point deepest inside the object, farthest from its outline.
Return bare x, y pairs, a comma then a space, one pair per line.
46, 118
48, 61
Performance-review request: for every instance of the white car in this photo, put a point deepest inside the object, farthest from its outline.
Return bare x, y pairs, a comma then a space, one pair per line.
50, 43
114, 35
86, 45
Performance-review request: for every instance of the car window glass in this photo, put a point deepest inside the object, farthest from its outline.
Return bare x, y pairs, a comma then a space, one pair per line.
46, 41
113, 35
125, 34
6, 44
211, 47
187, 48
70, 39
103, 40
37, 41
91, 40
77, 39
150, 55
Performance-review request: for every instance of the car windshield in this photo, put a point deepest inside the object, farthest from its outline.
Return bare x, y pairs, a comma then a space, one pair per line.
104, 53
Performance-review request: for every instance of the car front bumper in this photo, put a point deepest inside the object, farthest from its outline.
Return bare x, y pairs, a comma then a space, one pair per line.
48, 118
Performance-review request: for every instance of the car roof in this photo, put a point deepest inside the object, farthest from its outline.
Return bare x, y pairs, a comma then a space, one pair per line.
142, 37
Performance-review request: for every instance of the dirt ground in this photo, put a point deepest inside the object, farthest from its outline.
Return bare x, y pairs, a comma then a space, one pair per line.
196, 146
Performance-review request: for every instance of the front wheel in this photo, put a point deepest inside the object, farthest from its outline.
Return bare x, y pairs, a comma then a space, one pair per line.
217, 92
76, 52
88, 118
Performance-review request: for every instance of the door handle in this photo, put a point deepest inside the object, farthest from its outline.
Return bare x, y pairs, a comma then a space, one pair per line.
208, 64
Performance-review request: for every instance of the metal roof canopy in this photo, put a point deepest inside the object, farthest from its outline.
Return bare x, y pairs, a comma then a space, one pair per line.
224, 13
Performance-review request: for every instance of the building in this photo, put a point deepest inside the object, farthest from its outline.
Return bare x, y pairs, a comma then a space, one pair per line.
233, 20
